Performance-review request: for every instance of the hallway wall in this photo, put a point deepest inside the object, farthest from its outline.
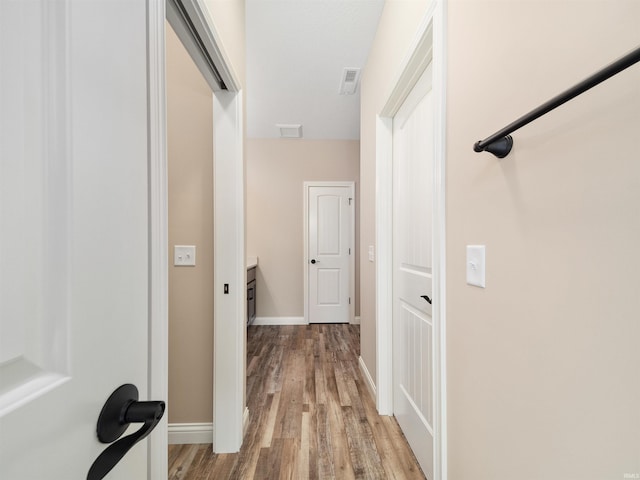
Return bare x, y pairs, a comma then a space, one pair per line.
276, 170
543, 371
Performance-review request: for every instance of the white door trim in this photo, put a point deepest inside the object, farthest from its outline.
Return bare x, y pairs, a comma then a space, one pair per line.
229, 258
352, 241
428, 46
384, 264
229, 322
158, 236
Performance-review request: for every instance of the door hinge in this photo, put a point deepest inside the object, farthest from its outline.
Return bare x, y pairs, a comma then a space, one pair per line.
350, 200
349, 251
349, 300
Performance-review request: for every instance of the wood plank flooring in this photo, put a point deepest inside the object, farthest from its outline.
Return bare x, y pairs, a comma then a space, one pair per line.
311, 415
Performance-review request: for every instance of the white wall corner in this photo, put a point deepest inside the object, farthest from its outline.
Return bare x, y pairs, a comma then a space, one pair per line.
367, 378
190, 433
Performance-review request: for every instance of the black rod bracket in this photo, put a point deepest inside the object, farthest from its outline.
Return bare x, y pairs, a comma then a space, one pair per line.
500, 148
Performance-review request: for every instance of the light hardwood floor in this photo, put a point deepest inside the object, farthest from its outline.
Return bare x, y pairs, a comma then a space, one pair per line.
311, 415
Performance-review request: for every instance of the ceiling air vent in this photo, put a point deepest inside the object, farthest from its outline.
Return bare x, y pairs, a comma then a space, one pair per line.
290, 131
349, 82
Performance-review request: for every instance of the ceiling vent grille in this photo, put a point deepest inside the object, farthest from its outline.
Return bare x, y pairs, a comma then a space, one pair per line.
290, 131
349, 82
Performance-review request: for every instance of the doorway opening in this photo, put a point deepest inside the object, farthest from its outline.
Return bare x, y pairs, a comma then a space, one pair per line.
190, 242
195, 30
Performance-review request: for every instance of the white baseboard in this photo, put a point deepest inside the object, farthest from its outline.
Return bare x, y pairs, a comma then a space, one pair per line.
279, 321
188, 433
245, 421
181, 433
367, 378
289, 321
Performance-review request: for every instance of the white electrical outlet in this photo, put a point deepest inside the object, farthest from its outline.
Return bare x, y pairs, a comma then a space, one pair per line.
476, 265
371, 253
184, 255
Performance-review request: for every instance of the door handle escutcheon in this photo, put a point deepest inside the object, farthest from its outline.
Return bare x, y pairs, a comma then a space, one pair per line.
426, 298
121, 409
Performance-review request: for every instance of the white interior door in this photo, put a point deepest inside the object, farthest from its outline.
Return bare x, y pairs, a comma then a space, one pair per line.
329, 253
74, 245
413, 360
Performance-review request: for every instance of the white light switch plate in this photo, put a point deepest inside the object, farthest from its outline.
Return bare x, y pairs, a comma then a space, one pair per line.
184, 255
476, 265
371, 253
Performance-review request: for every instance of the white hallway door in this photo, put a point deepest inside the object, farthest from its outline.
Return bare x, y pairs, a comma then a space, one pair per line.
413, 361
74, 242
330, 253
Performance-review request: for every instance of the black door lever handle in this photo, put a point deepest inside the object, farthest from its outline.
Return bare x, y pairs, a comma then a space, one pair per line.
121, 409
426, 298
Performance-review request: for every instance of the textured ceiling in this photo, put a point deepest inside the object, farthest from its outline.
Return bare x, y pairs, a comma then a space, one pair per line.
296, 53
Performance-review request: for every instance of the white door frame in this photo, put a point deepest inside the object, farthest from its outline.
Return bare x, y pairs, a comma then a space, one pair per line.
229, 243
352, 241
428, 46
158, 235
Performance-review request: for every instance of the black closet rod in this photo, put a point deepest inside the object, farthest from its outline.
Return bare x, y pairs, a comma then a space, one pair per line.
500, 143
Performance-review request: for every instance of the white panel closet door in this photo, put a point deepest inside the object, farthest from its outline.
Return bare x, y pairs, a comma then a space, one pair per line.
413, 361
329, 224
74, 245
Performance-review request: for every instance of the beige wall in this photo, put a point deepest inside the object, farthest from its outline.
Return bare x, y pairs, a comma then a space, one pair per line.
190, 141
544, 372
543, 369
276, 170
